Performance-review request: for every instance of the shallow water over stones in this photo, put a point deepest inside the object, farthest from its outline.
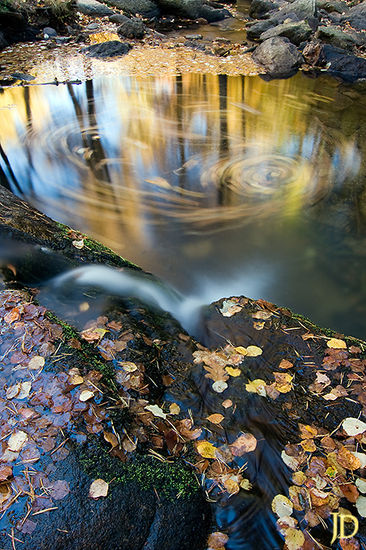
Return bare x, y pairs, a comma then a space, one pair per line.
220, 185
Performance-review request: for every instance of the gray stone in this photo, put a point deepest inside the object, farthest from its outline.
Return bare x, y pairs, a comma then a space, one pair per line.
193, 36
337, 37
296, 32
23, 76
184, 8
346, 66
259, 27
303, 9
92, 7
211, 14
278, 56
332, 5
112, 48
92, 27
49, 32
3, 41
146, 8
357, 16
258, 8
131, 29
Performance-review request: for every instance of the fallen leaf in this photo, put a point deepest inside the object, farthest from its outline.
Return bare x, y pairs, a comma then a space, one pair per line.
110, 438
261, 314
241, 350
78, 244
217, 541
257, 386
5, 473
174, 408
99, 488
128, 366
294, 539
245, 484
245, 443
285, 364
17, 440
206, 449
156, 410
227, 403
37, 362
59, 489
219, 386
233, 372
215, 418
229, 308
85, 395
347, 459
335, 343
353, 426
283, 382
282, 506
254, 351
361, 506
360, 484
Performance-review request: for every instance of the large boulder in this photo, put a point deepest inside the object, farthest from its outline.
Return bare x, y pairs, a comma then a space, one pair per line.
340, 63
131, 29
296, 32
258, 8
303, 9
112, 48
356, 16
278, 56
190, 9
146, 8
92, 7
211, 14
339, 38
330, 6
257, 28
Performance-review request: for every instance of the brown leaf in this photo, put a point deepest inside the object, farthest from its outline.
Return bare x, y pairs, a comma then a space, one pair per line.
245, 443
217, 540
6, 472
285, 364
215, 418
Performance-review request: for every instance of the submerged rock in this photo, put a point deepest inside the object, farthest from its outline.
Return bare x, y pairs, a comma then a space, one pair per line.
278, 56
112, 48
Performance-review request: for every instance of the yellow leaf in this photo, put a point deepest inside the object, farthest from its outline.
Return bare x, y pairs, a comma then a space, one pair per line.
256, 386
233, 372
254, 351
336, 343
294, 539
174, 408
283, 382
241, 350
282, 506
206, 449
245, 484
215, 418
308, 445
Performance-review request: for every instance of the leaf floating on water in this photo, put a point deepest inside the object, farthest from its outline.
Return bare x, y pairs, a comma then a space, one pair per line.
256, 386
233, 372
353, 426
206, 449
245, 484
285, 364
17, 441
215, 418
282, 506
217, 541
244, 444
174, 408
99, 488
254, 351
156, 410
37, 362
336, 343
160, 182
283, 382
227, 403
219, 386
59, 489
241, 350
294, 539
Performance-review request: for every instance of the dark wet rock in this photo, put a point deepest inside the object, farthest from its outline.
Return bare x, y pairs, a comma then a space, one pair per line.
303, 9
357, 17
258, 8
3, 41
146, 8
183, 8
259, 27
212, 14
296, 32
278, 56
311, 52
92, 7
339, 38
131, 28
193, 36
49, 32
112, 48
340, 63
332, 5
334, 17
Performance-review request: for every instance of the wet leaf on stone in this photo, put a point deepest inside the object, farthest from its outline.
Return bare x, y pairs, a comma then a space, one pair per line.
98, 488
245, 443
336, 343
282, 506
206, 449
215, 418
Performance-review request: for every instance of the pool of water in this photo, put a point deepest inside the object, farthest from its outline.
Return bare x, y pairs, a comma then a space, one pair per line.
220, 185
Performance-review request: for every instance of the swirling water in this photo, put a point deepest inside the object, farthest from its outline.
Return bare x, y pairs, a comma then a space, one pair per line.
220, 185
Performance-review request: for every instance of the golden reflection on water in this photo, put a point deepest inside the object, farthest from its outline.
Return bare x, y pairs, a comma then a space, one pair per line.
159, 169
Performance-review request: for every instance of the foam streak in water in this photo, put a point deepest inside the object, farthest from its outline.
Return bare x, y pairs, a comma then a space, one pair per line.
131, 283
